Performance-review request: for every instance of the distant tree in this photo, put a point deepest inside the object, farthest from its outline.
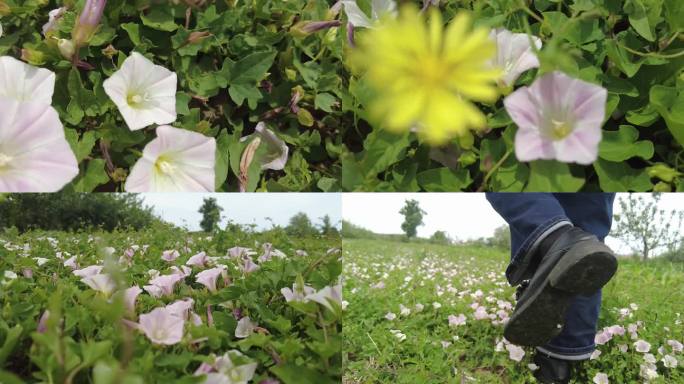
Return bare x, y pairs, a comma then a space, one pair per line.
413, 218
501, 238
327, 228
440, 237
644, 227
211, 214
300, 225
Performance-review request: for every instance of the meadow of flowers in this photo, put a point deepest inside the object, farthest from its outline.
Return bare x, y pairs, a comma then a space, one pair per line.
434, 314
165, 305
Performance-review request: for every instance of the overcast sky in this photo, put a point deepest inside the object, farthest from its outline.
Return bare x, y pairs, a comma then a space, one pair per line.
462, 215
245, 208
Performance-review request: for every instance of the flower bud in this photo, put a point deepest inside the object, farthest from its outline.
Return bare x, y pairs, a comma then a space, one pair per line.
66, 48
88, 21
306, 28
246, 162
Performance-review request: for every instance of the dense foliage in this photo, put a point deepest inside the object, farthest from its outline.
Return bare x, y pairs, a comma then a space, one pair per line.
91, 335
74, 211
237, 63
633, 48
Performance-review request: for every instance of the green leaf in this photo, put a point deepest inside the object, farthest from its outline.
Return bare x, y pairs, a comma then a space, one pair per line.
223, 143
444, 180
552, 176
160, 18
252, 68
94, 176
325, 102
620, 177
383, 148
294, 374
622, 145
644, 16
669, 102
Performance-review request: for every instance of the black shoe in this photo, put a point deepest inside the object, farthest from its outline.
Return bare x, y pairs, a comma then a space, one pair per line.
575, 263
552, 370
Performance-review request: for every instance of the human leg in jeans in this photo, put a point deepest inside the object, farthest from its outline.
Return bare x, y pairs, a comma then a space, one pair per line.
560, 263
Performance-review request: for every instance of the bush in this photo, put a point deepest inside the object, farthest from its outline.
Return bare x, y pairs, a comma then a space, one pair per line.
75, 211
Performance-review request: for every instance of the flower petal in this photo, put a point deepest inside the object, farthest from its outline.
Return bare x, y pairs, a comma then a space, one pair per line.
24, 82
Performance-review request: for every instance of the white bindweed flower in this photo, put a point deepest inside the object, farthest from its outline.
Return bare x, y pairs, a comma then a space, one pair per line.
277, 151
178, 160
162, 327
514, 54
601, 378
642, 346
34, 153
101, 282
24, 82
245, 327
379, 8
145, 93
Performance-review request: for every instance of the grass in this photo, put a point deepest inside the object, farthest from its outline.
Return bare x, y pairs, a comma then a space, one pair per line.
458, 276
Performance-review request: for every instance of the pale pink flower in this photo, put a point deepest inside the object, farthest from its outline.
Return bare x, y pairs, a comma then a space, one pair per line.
88, 271
208, 277
145, 93
455, 321
23, 82
642, 346
163, 285
101, 283
327, 296
297, 294
181, 308
53, 18
177, 160
249, 265
595, 355
648, 371
676, 345
276, 154
558, 118
601, 378
670, 361
623, 348
515, 352
481, 313
245, 327
130, 297
390, 316
404, 311
618, 330
42, 323
170, 255
183, 271
514, 54
237, 252
71, 263
602, 337
229, 371
198, 260
162, 327
34, 153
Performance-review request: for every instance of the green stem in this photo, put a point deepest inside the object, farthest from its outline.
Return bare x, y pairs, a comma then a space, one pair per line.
493, 169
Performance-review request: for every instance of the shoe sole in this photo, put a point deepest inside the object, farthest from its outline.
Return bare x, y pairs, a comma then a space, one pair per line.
583, 270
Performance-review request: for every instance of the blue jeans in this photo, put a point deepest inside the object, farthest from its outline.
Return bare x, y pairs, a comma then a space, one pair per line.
531, 216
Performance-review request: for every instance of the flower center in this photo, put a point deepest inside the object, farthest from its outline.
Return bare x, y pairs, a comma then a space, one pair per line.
433, 71
159, 333
5, 160
560, 129
136, 100
165, 167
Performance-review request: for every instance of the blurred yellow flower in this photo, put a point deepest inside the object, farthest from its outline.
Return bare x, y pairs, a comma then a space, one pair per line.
424, 75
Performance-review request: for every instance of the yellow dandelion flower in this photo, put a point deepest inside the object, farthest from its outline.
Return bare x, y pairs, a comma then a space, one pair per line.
424, 75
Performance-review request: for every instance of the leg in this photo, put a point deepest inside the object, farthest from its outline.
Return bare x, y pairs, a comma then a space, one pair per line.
592, 212
531, 217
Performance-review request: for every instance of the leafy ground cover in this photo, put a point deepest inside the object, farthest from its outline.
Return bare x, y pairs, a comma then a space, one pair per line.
204, 310
633, 49
237, 63
433, 314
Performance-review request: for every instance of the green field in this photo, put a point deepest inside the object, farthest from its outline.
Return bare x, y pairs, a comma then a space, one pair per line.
56, 327
458, 276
